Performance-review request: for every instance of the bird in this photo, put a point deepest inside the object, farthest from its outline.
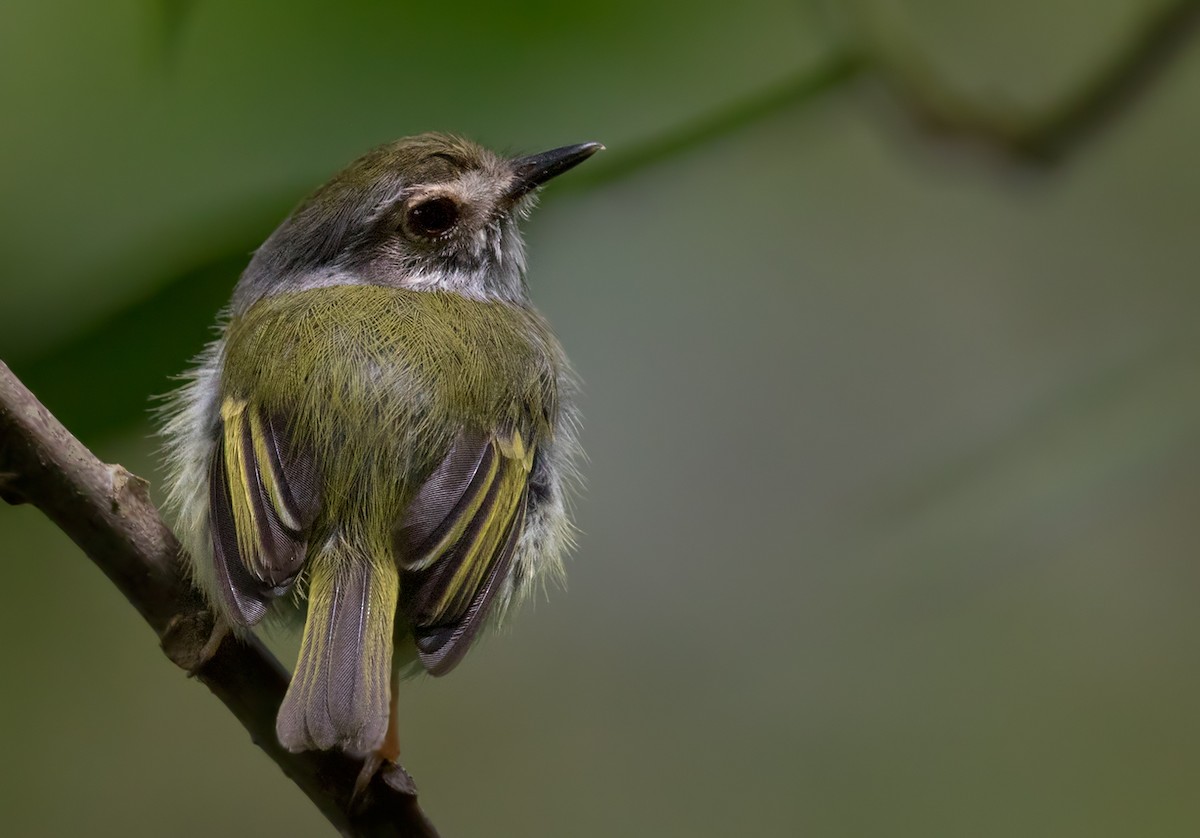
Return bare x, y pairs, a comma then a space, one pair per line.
383, 440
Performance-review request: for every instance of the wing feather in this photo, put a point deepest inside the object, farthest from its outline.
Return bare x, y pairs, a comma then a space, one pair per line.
262, 501
447, 502
441, 647
457, 541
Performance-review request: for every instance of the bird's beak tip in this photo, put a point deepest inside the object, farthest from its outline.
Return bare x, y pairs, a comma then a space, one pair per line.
532, 171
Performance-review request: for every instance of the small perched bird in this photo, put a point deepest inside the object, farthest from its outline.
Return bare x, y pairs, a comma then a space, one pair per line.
384, 435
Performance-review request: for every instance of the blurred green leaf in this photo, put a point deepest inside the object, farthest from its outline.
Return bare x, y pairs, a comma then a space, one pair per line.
894, 456
174, 15
105, 377
116, 176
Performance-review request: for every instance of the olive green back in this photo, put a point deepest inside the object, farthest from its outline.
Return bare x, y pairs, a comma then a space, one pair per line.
375, 382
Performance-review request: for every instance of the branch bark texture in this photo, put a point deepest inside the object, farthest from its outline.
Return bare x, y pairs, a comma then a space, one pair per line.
107, 511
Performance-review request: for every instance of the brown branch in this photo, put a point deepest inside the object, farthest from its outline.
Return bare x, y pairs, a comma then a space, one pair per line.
1044, 135
108, 513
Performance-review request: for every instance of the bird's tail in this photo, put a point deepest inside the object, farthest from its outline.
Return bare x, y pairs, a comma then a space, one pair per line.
339, 694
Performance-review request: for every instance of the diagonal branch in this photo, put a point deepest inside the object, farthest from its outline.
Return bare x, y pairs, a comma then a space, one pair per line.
832, 72
108, 513
1038, 135
874, 49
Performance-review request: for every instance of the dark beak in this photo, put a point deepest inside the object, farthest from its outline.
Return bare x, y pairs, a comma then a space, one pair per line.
531, 172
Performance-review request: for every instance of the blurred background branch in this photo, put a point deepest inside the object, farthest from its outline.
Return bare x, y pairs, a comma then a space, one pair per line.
943, 414
878, 46
1047, 134
107, 512
876, 43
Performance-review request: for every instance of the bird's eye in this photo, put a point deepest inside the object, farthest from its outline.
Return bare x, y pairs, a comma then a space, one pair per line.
432, 218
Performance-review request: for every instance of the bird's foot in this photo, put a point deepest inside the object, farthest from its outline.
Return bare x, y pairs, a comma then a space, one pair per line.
192, 640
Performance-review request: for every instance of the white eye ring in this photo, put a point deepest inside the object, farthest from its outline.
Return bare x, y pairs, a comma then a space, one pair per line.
432, 218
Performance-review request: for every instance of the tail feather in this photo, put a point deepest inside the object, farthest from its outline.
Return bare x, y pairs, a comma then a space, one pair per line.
339, 694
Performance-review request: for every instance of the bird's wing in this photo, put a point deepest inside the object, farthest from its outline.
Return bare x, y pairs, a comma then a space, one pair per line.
453, 547
457, 539
263, 497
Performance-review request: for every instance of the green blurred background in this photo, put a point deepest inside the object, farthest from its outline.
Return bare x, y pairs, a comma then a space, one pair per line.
895, 438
